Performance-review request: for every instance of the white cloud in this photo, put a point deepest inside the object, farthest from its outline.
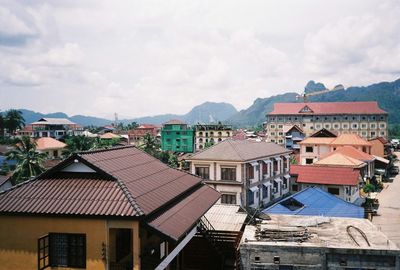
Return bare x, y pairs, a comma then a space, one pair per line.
144, 58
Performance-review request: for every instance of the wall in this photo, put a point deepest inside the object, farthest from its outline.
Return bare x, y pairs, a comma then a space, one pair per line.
19, 239
377, 148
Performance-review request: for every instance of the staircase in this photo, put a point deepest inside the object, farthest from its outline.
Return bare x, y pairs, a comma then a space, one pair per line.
225, 243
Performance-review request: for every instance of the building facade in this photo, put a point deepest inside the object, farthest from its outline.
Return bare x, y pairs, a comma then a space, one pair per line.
247, 173
363, 118
210, 134
177, 136
136, 136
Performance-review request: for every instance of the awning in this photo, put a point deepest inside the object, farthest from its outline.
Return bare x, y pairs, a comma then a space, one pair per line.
254, 189
176, 221
267, 161
287, 176
267, 184
277, 158
278, 180
287, 157
381, 159
254, 163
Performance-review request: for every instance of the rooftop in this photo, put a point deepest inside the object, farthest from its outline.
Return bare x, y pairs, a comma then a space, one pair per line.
45, 143
53, 121
351, 152
322, 175
109, 135
239, 150
314, 201
226, 217
326, 108
331, 232
340, 160
122, 182
175, 122
342, 139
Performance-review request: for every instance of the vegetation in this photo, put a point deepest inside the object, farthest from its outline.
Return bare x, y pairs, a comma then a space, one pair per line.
394, 131
11, 120
152, 146
369, 188
83, 143
29, 161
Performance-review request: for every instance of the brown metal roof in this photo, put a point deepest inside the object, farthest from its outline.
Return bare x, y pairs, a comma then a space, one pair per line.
125, 182
68, 194
184, 215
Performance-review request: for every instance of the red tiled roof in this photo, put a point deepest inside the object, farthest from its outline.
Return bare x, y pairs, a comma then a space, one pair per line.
352, 152
323, 108
350, 139
325, 175
125, 182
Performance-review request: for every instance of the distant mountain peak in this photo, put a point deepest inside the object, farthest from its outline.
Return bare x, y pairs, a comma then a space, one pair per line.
312, 86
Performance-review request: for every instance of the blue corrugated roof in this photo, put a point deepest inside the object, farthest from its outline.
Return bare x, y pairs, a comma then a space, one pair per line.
314, 201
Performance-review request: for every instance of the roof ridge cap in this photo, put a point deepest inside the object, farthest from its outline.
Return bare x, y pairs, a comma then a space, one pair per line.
235, 149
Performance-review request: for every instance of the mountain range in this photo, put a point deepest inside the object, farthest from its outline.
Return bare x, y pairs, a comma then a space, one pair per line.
387, 94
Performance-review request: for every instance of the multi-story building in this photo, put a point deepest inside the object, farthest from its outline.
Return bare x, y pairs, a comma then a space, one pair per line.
51, 127
210, 134
312, 148
363, 118
248, 173
293, 135
177, 136
136, 135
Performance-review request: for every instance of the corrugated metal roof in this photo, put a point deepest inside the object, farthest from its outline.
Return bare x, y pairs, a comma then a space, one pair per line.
126, 182
226, 217
238, 150
180, 217
68, 194
325, 175
53, 121
316, 202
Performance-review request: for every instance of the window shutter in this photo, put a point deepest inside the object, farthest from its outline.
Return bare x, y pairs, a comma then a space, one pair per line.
44, 252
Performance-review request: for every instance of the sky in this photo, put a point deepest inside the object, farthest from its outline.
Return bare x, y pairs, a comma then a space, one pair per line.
139, 58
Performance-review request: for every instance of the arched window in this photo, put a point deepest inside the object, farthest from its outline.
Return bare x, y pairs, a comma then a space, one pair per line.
219, 133
200, 133
200, 140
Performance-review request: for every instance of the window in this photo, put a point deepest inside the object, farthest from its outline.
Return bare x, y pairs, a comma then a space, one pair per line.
318, 126
345, 126
295, 187
264, 192
382, 133
373, 126
62, 250
334, 191
354, 126
280, 141
228, 174
273, 140
228, 199
363, 126
280, 126
309, 161
203, 172
336, 126
250, 195
280, 133
200, 133
309, 149
382, 125
373, 133
272, 133
250, 171
327, 126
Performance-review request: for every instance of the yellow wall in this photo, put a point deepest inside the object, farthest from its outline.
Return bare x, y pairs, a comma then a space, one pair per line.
19, 236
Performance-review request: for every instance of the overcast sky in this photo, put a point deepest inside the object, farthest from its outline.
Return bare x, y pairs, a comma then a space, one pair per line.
141, 58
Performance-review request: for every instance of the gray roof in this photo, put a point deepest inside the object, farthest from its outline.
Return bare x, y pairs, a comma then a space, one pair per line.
54, 121
239, 150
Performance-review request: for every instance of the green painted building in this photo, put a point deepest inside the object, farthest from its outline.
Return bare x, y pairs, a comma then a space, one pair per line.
177, 136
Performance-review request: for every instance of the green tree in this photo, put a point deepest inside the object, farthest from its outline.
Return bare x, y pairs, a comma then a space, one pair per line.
79, 143
172, 160
151, 145
2, 124
14, 120
29, 161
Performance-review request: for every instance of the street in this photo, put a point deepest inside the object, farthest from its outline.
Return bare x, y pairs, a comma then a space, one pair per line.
388, 219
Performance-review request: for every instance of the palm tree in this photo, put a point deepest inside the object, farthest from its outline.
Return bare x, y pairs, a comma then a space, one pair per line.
150, 145
29, 161
79, 143
14, 120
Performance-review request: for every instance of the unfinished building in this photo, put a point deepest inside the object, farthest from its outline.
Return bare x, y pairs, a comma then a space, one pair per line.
316, 242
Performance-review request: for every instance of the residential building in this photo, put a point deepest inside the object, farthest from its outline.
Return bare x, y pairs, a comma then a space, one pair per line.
109, 136
52, 147
177, 136
293, 135
314, 201
312, 148
380, 146
210, 134
136, 135
51, 127
248, 173
363, 118
353, 154
343, 182
118, 208
316, 242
